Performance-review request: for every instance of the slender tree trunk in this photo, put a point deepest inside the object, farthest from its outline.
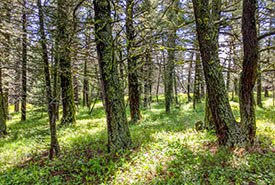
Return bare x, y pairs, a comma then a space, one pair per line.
24, 64
197, 82
259, 87
229, 70
259, 73
56, 82
3, 126
189, 80
85, 86
76, 95
65, 64
266, 94
249, 71
133, 85
51, 106
158, 82
118, 131
175, 87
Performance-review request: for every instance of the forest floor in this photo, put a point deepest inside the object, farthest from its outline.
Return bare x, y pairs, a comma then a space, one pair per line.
167, 150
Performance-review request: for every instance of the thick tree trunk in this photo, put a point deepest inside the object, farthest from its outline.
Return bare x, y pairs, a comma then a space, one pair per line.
249, 71
118, 131
133, 85
51, 106
65, 64
227, 129
24, 64
169, 67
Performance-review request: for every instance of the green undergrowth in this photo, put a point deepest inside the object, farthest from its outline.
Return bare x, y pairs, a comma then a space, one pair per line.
167, 150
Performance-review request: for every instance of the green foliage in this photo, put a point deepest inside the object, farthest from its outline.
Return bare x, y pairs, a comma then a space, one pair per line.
168, 150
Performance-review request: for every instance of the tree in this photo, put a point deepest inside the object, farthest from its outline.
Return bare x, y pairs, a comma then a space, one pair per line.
171, 45
227, 129
51, 106
65, 64
133, 85
118, 131
249, 70
3, 127
24, 62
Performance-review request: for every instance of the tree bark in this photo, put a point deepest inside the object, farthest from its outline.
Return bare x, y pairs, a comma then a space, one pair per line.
249, 71
3, 126
24, 63
51, 106
118, 131
85, 86
133, 85
197, 82
65, 64
227, 129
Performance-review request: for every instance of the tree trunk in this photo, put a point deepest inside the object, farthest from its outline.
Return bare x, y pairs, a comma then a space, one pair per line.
249, 71
65, 64
118, 131
209, 123
189, 80
227, 129
266, 94
133, 85
24, 63
259, 87
229, 70
85, 86
158, 82
76, 96
197, 82
51, 106
3, 126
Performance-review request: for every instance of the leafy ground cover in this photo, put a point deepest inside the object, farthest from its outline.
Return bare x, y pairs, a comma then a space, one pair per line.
167, 150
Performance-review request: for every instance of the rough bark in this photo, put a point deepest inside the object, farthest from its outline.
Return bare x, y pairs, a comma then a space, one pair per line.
24, 63
227, 129
133, 85
118, 131
169, 66
249, 71
54, 148
208, 118
65, 64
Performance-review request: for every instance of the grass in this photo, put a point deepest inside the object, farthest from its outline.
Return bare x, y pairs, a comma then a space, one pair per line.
167, 150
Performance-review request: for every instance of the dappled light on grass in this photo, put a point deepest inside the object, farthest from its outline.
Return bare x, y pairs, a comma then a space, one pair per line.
167, 150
